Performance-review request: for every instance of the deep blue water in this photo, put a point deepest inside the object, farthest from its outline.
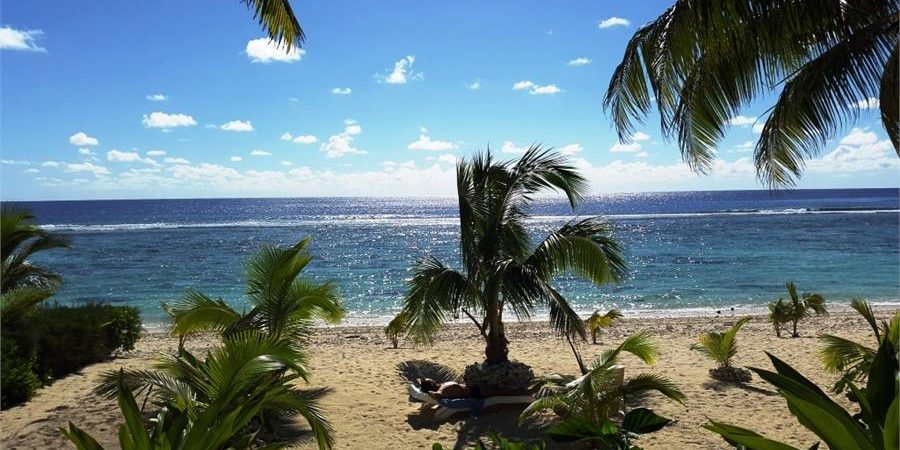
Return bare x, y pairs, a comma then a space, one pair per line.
685, 249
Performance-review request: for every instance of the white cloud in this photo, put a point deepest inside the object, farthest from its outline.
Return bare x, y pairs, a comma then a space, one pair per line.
264, 50
619, 147
176, 161
742, 121
426, 143
31, 170
82, 140
758, 128
156, 153
22, 40
640, 136
235, 159
859, 151
745, 146
641, 155
341, 144
581, 61
475, 85
166, 121
341, 91
301, 139
50, 164
157, 97
449, 159
120, 156
402, 72
14, 162
286, 163
535, 89
571, 149
86, 167
237, 125
260, 153
613, 22
509, 147
869, 103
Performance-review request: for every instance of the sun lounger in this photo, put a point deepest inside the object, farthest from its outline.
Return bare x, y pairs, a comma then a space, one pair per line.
445, 409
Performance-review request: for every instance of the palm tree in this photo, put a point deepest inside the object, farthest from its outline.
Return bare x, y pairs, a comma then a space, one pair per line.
501, 270
20, 240
721, 348
701, 61
278, 19
217, 399
801, 308
284, 304
854, 360
779, 314
597, 322
600, 392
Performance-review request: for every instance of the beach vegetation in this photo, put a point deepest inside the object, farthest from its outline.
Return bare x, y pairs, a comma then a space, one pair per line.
501, 270
700, 62
609, 435
497, 442
602, 393
20, 240
853, 360
277, 18
284, 303
395, 330
722, 348
796, 308
876, 426
597, 322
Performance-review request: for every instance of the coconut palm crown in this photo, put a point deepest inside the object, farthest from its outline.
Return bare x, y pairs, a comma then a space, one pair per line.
701, 61
501, 270
20, 240
279, 21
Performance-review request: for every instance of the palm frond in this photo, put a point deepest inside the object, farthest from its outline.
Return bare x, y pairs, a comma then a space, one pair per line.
278, 19
865, 310
890, 98
720, 347
195, 312
837, 353
584, 246
18, 303
646, 382
436, 292
640, 344
305, 403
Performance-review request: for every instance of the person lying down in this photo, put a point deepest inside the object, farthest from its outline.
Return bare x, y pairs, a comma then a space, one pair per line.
455, 395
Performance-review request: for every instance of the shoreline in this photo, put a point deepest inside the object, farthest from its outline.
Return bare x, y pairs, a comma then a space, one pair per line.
646, 314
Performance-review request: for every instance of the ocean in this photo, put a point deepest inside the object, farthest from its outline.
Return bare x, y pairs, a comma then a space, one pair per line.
688, 251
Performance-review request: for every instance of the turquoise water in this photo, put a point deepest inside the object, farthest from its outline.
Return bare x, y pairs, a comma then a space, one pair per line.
690, 250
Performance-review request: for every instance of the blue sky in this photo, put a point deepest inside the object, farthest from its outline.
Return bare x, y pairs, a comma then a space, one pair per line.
182, 99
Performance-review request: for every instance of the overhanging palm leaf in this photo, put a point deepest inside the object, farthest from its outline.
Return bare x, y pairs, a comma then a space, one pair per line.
278, 19
704, 60
20, 239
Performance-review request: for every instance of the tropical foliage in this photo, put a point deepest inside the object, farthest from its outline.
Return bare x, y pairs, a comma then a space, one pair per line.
20, 240
701, 61
720, 347
598, 395
502, 271
278, 19
796, 309
609, 435
854, 360
875, 427
395, 329
597, 322
497, 442
284, 303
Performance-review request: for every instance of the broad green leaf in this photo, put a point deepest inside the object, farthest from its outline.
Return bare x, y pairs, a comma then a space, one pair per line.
742, 436
576, 429
892, 426
643, 420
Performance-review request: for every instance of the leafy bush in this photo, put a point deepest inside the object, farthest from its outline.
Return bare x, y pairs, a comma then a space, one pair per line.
610, 435
498, 442
798, 308
721, 347
67, 338
18, 382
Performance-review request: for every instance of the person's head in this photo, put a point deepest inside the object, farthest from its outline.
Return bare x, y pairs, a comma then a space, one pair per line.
429, 385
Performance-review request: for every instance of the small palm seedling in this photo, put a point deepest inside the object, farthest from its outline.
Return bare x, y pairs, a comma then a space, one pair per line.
799, 308
597, 322
600, 393
721, 348
875, 427
851, 359
395, 330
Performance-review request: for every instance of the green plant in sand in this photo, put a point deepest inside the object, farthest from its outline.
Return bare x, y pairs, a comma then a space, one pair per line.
702, 61
598, 321
721, 348
796, 309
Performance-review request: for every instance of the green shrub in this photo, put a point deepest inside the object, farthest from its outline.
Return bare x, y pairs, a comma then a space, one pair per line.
17, 380
67, 338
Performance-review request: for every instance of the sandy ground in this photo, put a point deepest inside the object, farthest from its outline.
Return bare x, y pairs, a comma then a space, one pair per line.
369, 407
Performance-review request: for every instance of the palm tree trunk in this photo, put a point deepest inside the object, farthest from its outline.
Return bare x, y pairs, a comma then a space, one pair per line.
796, 334
496, 350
